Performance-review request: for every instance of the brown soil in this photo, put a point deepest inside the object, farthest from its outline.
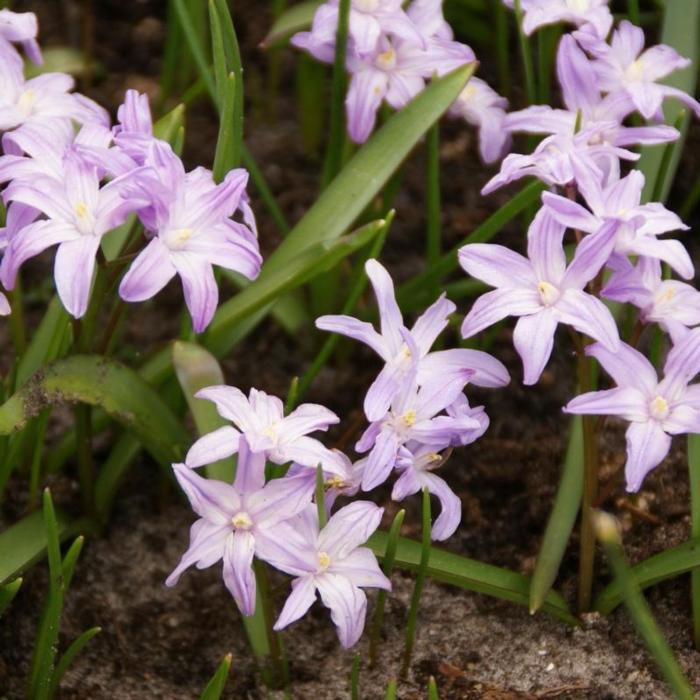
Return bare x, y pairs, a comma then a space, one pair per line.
165, 643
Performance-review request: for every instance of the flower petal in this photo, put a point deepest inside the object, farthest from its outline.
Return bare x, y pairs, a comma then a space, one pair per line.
533, 338
238, 570
348, 606
219, 444
647, 445
298, 602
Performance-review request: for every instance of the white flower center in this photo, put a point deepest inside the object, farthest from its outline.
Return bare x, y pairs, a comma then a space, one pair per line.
336, 482
549, 294
366, 5
324, 561
635, 71
468, 94
409, 418
26, 102
241, 521
176, 239
659, 408
386, 60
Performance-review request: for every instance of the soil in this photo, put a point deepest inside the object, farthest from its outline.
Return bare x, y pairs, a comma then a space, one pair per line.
166, 643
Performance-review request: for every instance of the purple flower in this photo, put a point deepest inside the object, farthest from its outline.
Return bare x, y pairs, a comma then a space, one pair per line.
673, 305
656, 410
541, 290
46, 96
396, 73
584, 103
134, 132
413, 418
407, 351
369, 22
79, 213
233, 519
416, 474
639, 224
594, 14
19, 27
189, 218
332, 562
260, 417
428, 18
484, 108
626, 67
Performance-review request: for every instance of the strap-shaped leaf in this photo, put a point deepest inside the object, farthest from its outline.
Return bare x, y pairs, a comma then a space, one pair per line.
471, 575
296, 19
668, 564
216, 685
102, 382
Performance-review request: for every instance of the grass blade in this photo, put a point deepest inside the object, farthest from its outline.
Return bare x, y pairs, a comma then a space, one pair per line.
355, 678
336, 136
196, 368
216, 685
382, 595
24, 543
8, 592
526, 56
68, 657
391, 690
694, 472
561, 520
470, 575
412, 621
320, 498
97, 381
681, 30
608, 533
432, 689
668, 564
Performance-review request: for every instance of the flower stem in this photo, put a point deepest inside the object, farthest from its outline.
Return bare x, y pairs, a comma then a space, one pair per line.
17, 325
590, 490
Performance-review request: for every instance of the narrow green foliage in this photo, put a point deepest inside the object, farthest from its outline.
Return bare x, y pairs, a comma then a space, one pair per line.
633, 11
391, 690
694, 472
681, 30
668, 564
526, 55
97, 381
43, 657
355, 678
502, 46
432, 689
295, 19
413, 292
292, 396
561, 520
336, 136
663, 185
433, 230
258, 180
112, 471
382, 595
42, 424
216, 685
357, 289
412, 620
470, 574
224, 156
607, 530
7, 594
196, 368
68, 657
321, 498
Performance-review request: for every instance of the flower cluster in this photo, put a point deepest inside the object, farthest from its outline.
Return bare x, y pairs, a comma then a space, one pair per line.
71, 180
619, 252
417, 414
391, 53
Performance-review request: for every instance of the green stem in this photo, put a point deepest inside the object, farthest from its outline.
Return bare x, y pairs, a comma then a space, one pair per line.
590, 490
633, 11
35, 470
433, 196
694, 471
17, 325
526, 55
336, 135
421, 575
503, 47
321, 498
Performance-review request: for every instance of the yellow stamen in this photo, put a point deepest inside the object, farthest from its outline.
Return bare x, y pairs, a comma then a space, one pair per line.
548, 293
659, 408
324, 561
242, 521
409, 418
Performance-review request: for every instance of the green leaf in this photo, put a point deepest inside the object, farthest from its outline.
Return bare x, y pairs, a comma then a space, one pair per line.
561, 520
391, 690
681, 30
102, 382
44, 652
694, 474
432, 689
413, 293
169, 125
197, 368
59, 59
471, 575
296, 19
216, 685
7, 594
668, 564
268, 287
24, 543
608, 532
69, 656
112, 471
